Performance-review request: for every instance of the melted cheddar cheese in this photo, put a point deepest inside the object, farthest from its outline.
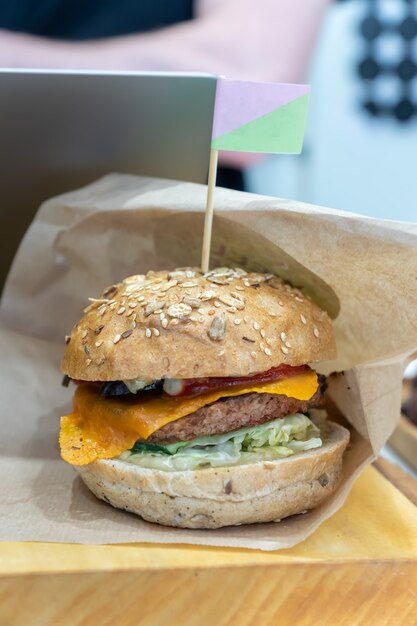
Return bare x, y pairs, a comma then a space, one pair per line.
102, 428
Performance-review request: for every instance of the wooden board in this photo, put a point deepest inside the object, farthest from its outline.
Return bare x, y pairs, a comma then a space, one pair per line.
359, 567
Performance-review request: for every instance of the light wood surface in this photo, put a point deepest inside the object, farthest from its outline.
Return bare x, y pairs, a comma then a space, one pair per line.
359, 567
353, 594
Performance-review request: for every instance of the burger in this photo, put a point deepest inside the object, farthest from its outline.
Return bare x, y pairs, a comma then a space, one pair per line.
196, 405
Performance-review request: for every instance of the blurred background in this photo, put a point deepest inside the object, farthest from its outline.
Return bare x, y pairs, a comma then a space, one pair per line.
360, 56
360, 152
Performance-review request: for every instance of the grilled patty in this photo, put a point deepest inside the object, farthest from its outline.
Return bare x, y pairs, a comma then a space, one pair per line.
229, 414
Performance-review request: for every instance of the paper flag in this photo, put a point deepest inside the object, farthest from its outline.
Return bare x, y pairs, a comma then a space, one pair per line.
259, 117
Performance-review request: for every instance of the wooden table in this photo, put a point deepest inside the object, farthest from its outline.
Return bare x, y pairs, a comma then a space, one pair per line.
359, 567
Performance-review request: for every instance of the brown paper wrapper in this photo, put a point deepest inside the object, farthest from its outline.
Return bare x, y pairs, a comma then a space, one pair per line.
360, 269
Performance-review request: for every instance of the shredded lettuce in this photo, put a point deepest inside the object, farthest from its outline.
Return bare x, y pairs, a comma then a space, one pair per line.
267, 442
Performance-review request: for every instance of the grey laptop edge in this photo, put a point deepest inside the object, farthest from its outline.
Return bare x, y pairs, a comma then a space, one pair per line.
61, 130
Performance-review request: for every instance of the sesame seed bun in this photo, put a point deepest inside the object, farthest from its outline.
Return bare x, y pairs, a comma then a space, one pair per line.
185, 324
224, 496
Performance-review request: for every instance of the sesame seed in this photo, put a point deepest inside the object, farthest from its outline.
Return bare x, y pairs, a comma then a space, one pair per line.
169, 285
284, 350
299, 299
112, 306
179, 310
316, 332
194, 303
133, 324
262, 345
88, 362
283, 337
253, 355
156, 332
263, 333
129, 313
117, 338
208, 295
84, 334
164, 322
121, 310
189, 284
153, 307
132, 304
239, 288
287, 343
234, 301
218, 280
211, 312
127, 334
148, 332
269, 341
303, 319
141, 298
98, 343
256, 326
245, 319
272, 314
201, 319
237, 321
280, 302
175, 321
217, 303
267, 351
94, 300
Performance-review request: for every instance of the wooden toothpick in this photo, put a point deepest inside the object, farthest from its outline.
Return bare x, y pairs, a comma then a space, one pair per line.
208, 220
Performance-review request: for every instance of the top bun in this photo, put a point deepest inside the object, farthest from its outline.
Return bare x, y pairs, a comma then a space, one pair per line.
186, 324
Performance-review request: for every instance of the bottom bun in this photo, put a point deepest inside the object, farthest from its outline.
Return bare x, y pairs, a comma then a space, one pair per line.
223, 496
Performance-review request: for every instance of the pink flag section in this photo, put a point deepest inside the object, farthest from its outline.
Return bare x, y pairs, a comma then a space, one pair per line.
239, 102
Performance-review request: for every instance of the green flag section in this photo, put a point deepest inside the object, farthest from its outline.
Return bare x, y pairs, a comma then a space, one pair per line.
281, 131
